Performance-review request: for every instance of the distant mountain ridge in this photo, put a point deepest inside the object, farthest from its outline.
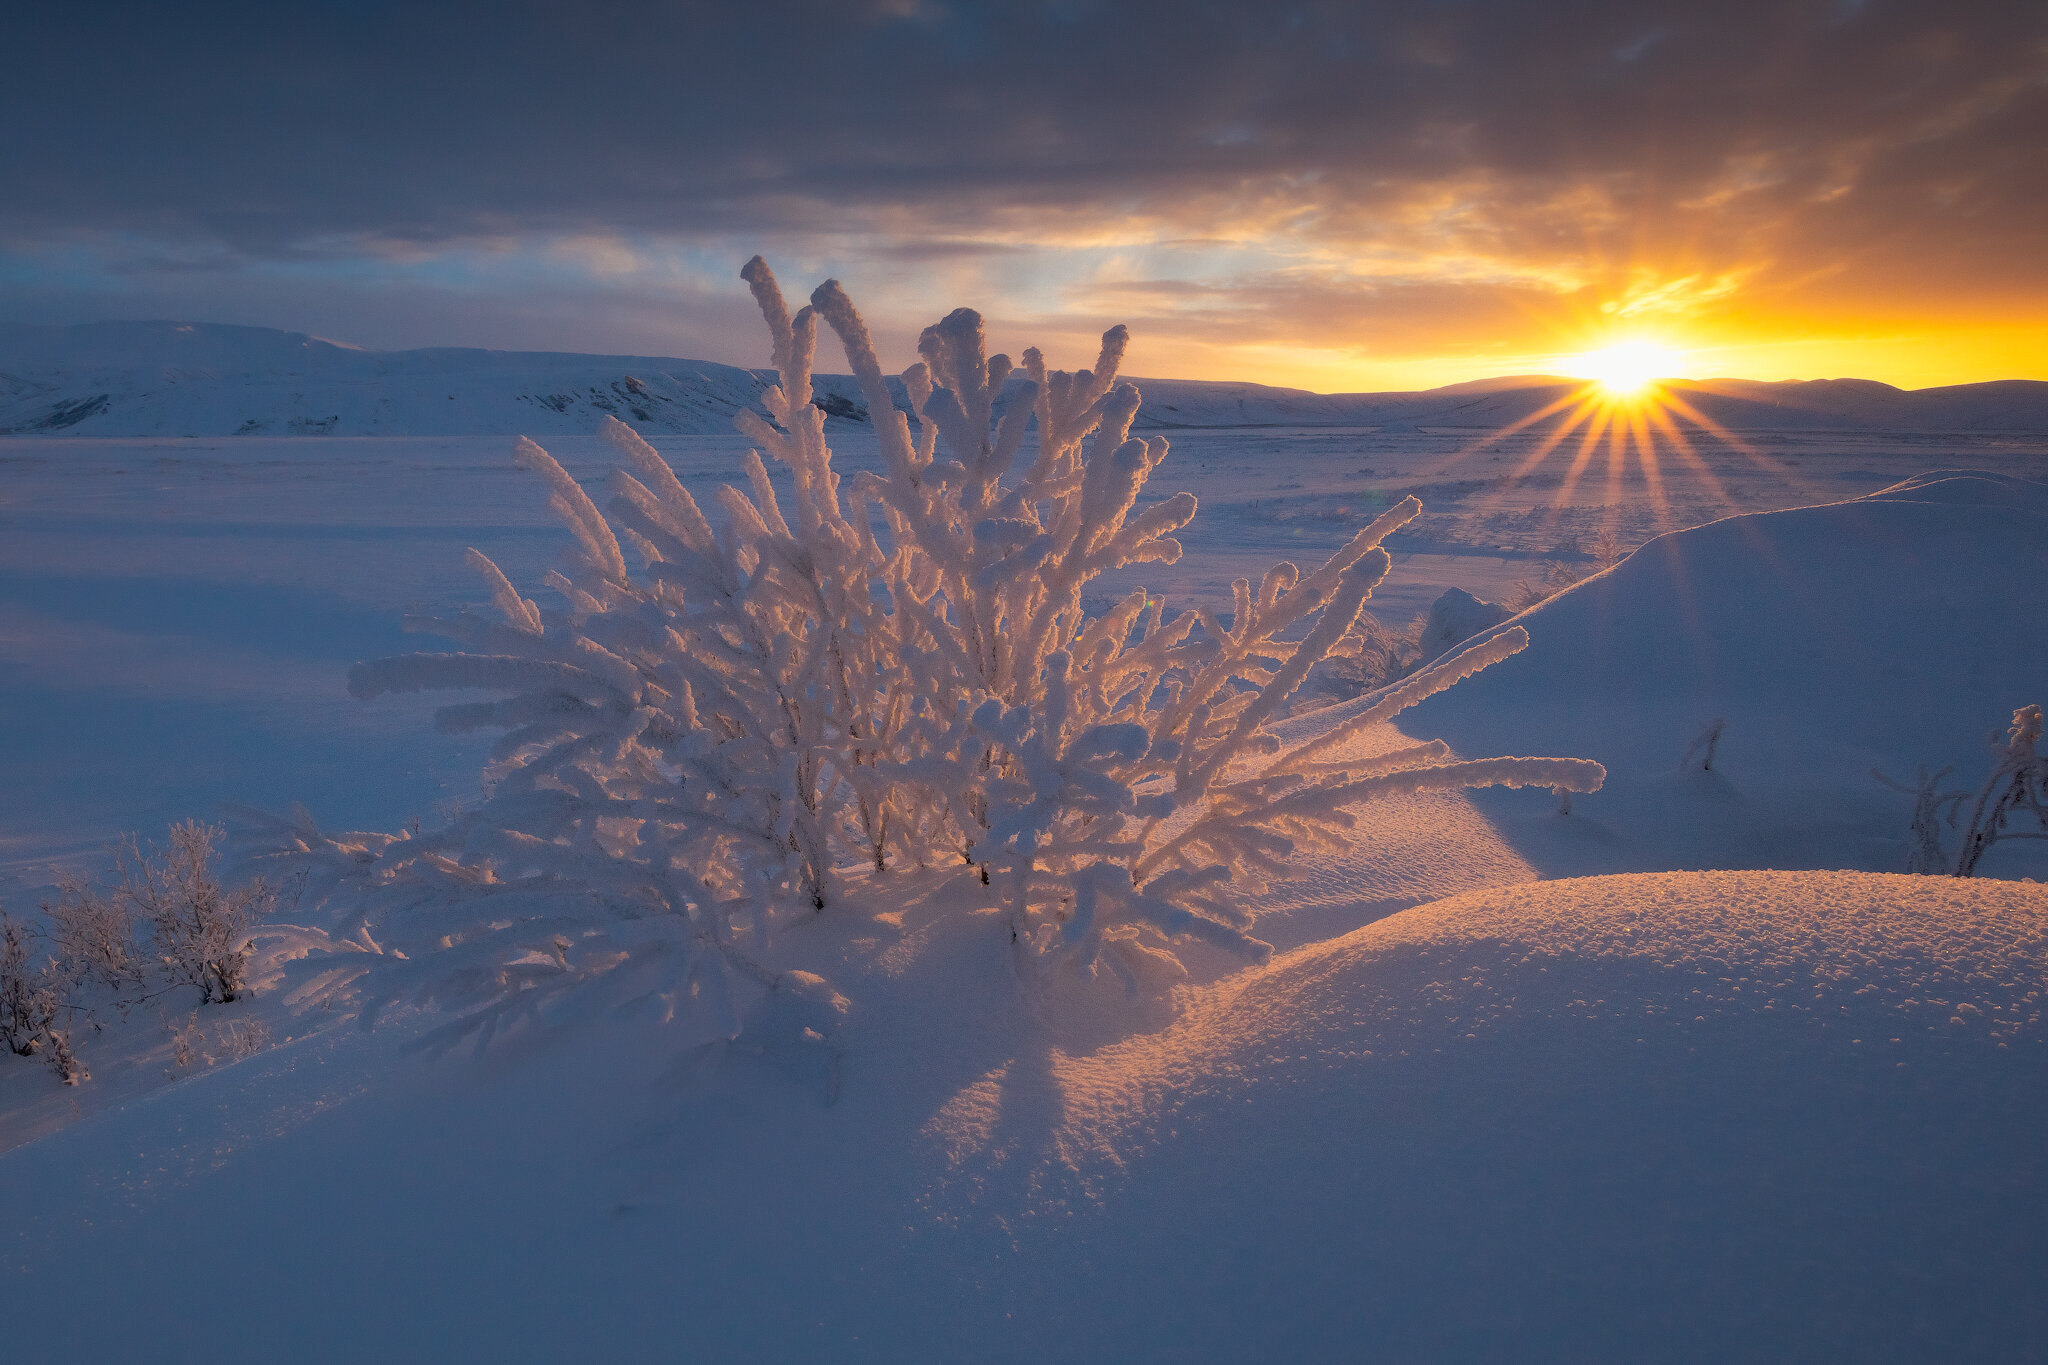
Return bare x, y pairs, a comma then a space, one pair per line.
204, 379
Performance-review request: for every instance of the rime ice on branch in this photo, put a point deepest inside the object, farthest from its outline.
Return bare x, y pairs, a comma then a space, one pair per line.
898, 669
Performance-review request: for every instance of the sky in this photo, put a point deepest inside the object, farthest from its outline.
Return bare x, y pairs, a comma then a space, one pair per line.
1333, 196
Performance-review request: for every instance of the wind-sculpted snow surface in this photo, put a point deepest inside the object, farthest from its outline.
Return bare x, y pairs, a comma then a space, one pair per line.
1896, 629
1684, 1115
899, 672
1714, 1116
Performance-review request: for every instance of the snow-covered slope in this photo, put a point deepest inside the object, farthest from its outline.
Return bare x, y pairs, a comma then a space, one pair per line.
187, 379
1673, 1116
1889, 630
1725, 1115
177, 379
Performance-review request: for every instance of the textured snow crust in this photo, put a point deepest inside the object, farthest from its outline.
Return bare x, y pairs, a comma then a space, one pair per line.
1674, 1116
1671, 1116
1921, 971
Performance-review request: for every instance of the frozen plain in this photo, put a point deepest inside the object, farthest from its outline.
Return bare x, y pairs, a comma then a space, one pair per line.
177, 619
178, 615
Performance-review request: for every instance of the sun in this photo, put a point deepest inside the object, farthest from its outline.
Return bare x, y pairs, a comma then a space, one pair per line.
1626, 369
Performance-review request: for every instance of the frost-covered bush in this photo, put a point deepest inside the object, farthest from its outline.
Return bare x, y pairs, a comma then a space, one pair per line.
92, 960
1370, 656
22, 998
2018, 783
200, 929
33, 1014
94, 934
732, 713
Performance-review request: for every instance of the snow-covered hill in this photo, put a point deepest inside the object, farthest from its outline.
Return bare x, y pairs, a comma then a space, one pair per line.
1889, 630
173, 379
188, 379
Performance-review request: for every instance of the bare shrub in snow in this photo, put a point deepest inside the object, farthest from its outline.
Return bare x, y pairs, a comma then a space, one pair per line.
94, 934
186, 1040
2018, 783
1371, 655
24, 1002
1704, 744
33, 1015
200, 929
885, 670
239, 1038
1924, 853
1557, 576
63, 1058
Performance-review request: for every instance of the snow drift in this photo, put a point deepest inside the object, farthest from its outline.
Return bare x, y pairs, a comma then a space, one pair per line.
1721, 1115
1890, 630
1715, 1116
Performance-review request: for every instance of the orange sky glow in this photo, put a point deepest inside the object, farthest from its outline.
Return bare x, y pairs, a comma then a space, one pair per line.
1337, 197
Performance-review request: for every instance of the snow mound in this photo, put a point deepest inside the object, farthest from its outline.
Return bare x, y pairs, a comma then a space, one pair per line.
1457, 616
1885, 631
1969, 488
1700, 1115
1926, 971
1682, 1115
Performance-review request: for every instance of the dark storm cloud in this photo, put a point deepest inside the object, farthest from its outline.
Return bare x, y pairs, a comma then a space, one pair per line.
268, 126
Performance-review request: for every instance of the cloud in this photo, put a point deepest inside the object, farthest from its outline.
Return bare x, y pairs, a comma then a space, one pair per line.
1637, 157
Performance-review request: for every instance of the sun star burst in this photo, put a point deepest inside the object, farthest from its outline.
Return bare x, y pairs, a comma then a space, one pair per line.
1626, 369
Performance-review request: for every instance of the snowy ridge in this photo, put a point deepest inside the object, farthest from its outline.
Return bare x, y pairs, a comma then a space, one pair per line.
178, 379
204, 379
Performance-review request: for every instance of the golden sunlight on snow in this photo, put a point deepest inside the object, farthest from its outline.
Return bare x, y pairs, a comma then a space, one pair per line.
1815, 973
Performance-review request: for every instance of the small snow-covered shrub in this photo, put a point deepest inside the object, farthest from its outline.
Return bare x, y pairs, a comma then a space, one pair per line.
89, 961
186, 1040
879, 671
200, 929
23, 999
1557, 576
1370, 656
94, 934
239, 1038
33, 1014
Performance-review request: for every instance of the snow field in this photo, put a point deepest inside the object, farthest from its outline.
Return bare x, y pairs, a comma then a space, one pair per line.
1885, 631
1721, 1115
1643, 1116
1716, 1115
